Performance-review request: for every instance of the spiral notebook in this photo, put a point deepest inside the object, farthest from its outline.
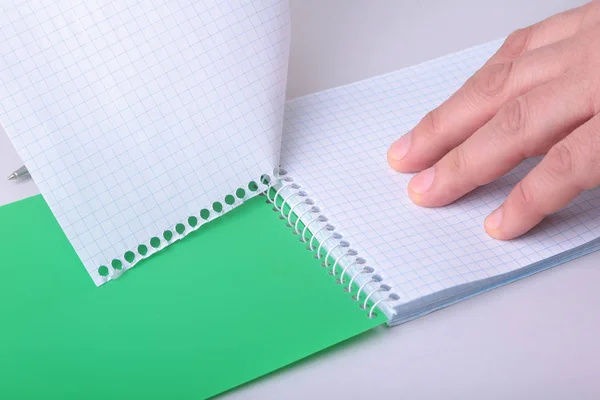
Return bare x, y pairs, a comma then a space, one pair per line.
335, 145
264, 231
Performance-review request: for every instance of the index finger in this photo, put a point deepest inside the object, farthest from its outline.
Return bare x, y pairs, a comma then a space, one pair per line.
477, 101
548, 31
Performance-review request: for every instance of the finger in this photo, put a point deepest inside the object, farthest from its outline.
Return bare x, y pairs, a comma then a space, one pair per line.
550, 30
525, 127
478, 100
570, 167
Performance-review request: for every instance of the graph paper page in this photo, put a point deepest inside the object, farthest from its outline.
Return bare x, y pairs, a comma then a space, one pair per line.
335, 144
133, 115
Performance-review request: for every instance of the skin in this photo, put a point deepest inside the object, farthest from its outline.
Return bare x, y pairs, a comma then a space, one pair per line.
539, 95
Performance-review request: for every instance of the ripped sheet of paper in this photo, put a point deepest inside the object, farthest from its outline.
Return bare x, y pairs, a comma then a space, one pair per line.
141, 119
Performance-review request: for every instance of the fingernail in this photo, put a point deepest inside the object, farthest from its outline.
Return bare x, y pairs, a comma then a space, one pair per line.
422, 182
400, 147
494, 220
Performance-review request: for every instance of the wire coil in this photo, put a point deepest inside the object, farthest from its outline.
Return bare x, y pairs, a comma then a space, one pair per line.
318, 224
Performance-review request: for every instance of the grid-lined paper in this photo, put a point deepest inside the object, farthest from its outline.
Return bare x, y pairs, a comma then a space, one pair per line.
335, 144
133, 115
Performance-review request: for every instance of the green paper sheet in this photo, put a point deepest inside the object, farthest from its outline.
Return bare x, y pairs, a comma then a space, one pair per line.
237, 299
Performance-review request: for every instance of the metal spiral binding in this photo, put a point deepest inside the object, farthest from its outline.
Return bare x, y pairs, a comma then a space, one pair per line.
320, 223
341, 244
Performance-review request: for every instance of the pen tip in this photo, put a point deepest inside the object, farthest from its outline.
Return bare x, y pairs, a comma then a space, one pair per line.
12, 177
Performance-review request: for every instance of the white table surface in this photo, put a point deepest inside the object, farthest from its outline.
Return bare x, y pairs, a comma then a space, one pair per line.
537, 338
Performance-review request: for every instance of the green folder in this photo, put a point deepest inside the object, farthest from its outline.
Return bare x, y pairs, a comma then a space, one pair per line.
235, 300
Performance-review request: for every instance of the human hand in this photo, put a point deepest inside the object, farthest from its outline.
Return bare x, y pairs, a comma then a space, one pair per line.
538, 95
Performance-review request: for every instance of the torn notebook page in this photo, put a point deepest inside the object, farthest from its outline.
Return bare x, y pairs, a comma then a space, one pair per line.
140, 119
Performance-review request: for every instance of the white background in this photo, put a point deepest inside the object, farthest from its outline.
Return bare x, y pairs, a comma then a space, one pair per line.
536, 338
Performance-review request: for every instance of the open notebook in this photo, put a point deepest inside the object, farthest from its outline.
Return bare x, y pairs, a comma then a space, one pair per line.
148, 123
335, 145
